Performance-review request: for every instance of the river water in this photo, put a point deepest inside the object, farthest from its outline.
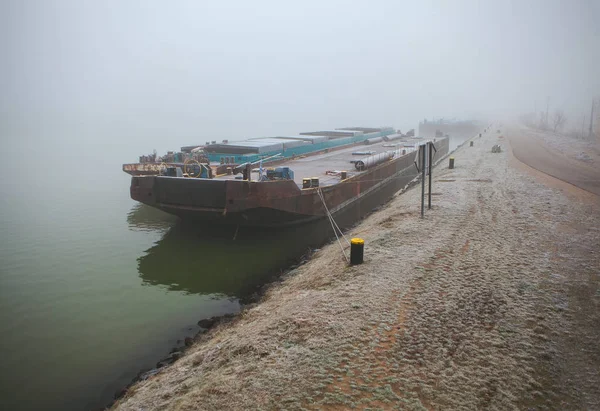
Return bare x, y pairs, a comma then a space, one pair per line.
94, 287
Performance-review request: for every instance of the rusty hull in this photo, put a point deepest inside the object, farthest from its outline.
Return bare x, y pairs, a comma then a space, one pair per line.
277, 203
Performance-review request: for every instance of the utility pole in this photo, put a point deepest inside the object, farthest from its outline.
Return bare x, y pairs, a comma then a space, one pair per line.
582, 126
547, 107
591, 119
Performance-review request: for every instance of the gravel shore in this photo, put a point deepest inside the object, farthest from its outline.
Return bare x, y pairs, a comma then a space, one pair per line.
489, 302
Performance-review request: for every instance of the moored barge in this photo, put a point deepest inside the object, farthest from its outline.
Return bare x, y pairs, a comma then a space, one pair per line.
347, 180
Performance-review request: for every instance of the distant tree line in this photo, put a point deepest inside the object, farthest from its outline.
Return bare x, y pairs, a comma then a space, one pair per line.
544, 122
589, 127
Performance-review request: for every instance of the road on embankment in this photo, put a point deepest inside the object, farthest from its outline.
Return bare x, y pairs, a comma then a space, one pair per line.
532, 151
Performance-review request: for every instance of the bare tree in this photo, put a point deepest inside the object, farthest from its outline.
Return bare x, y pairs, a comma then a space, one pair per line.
559, 120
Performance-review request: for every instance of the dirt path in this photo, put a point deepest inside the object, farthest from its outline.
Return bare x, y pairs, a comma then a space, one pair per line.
490, 302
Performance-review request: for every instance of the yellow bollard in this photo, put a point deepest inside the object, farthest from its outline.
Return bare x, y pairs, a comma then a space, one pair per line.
357, 249
451, 165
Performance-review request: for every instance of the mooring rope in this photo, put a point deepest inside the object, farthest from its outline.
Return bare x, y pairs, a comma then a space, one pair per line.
334, 225
331, 215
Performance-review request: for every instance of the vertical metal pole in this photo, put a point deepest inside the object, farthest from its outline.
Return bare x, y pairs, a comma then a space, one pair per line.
592, 120
423, 169
430, 154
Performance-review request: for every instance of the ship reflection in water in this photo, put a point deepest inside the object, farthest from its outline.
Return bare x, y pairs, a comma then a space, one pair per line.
208, 260
144, 218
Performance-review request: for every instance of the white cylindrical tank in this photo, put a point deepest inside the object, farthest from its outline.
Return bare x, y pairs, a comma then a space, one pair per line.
373, 140
373, 160
393, 137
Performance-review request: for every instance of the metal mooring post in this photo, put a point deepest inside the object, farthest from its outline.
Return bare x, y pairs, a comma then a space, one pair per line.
423, 169
357, 250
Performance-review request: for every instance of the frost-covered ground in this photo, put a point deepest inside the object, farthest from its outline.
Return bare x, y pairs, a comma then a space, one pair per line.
490, 302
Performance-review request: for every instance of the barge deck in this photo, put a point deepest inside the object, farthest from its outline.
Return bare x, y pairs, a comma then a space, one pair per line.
316, 165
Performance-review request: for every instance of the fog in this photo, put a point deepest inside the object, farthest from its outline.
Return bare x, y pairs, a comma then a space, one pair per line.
116, 79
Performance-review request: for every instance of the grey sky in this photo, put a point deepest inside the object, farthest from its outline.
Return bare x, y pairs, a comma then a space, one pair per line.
159, 74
